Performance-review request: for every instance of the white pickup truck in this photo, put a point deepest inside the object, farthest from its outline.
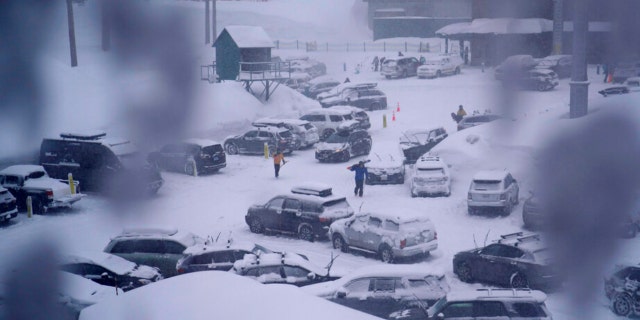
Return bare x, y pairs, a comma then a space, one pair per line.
437, 66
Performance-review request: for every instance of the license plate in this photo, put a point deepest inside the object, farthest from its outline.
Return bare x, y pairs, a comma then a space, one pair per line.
485, 196
384, 177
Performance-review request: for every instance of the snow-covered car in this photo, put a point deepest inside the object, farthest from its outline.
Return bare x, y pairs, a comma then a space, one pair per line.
493, 190
253, 141
387, 236
385, 167
327, 120
76, 292
216, 256
415, 143
357, 114
192, 156
516, 260
320, 85
367, 98
614, 91
8, 206
306, 65
33, 181
503, 304
430, 177
514, 65
298, 81
159, 248
304, 212
381, 289
110, 165
561, 64
343, 145
624, 70
285, 268
339, 89
400, 67
536, 79
109, 270
435, 67
306, 134
621, 288
633, 84
476, 120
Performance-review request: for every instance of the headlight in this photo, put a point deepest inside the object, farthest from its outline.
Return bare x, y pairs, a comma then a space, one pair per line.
339, 150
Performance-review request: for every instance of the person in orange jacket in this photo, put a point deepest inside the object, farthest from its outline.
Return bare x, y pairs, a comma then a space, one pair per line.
278, 158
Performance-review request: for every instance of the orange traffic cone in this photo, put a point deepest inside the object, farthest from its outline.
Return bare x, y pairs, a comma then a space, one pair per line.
393, 117
398, 109
610, 78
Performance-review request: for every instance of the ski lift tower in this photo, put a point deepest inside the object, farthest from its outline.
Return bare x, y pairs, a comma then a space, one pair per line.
243, 53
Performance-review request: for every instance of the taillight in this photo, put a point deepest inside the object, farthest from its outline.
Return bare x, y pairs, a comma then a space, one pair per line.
49, 193
503, 196
180, 270
469, 197
324, 219
403, 243
435, 235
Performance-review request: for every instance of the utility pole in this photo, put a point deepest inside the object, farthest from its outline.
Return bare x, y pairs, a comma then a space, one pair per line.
105, 16
215, 19
72, 34
207, 26
558, 25
578, 104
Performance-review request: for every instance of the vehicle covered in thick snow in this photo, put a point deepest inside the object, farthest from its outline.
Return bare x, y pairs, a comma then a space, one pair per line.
430, 177
516, 260
190, 156
8, 206
33, 181
382, 289
415, 143
328, 120
401, 67
476, 120
366, 98
253, 141
320, 85
343, 145
217, 256
622, 288
387, 236
435, 67
561, 64
109, 270
307, 211
305, 133
357, 114
514, 66
281, 267
385, 167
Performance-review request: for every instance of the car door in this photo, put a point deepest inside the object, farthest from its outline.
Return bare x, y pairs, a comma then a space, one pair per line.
485, 264
462, 310
272, 213
166, 155
355, 231
382, 298
291, 215
353, 294
355, 145
222, 260
249, 142
171, 252
372, 237
299, 276
489, 310
271, 274
263, 137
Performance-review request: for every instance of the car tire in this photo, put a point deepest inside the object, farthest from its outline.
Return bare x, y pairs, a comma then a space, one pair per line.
506, 211
413, 195
542, 86
338, 243
305, 232
346, 157
256, 226
438, 74
190, 168
37, 206
518, 281
385, 253
464, 272
457, 70
622, 305
471, 211
231, 148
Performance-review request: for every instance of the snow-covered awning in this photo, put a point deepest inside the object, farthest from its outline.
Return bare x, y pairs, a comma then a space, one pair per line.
249, 37
594, 26
497, 26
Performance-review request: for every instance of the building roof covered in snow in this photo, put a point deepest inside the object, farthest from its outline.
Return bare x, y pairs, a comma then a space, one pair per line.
497, 26
248, 37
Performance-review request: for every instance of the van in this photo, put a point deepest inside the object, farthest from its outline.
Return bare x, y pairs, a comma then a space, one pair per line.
100, 163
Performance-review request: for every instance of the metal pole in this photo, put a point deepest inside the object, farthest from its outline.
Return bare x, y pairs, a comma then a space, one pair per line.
207, 24
558, 26
578, 103
72, 34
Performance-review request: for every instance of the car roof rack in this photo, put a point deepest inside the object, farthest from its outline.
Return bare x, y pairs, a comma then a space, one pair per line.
491, 292
83, 136
148, 232
313, 190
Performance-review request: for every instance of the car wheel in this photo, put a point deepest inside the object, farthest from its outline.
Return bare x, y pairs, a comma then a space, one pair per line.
542, 87
256, 226
405, 74
190, 168
438, 74
385, 253
305, 233
346, 157
457, 70
622, 305
37, 206
413, 195
448, 193
231, 148
375, 106
507, 209
464, 272
518, 280
338, 243
388, 77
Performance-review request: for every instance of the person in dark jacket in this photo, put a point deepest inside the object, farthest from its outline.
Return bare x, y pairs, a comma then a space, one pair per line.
376, 62
361, 174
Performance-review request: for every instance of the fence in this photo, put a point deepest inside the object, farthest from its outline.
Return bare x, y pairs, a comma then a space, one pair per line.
377, 46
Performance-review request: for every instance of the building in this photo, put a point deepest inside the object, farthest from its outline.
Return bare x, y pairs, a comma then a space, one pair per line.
241, 44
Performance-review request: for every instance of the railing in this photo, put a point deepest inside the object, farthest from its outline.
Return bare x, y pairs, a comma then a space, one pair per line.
208, 73
264, 71
364, 46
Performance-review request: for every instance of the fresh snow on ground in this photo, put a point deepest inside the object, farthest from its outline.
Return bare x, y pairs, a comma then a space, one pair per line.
83, 98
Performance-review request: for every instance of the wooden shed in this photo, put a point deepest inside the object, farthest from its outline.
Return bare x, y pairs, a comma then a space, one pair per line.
245, 47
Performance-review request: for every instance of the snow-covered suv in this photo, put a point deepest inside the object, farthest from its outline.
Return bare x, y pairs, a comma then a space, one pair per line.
430, 177
253, 141
33, 181
285, 268
493, 190
503, 304
441, 65
387, 236
401, 67
306, 134
621, 288
327, 120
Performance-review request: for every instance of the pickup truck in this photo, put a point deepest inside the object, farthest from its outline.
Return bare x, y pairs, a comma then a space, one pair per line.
32, 180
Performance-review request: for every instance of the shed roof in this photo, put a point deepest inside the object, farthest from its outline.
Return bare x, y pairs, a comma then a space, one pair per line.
248, 37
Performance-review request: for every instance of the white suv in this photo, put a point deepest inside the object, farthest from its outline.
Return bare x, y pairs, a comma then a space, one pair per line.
328, 120
430, 177
440, 65
493, 190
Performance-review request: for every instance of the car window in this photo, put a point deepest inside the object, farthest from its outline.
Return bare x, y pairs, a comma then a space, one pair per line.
205, 258
458, 310
253, 272
239, 254
296, 272
270, 270
489, 309
75, 268
528, 310
251, 134
374, 222
122, 247
276, 203
383, 285
487, 185
390, 225
10, 180
359, 285
335, 118
634, 275
149, 246
172, 247
511, 252
264, 134
292, 204
94, 269
492, 250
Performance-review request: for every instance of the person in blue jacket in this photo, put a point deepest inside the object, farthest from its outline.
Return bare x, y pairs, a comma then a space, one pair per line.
361, 173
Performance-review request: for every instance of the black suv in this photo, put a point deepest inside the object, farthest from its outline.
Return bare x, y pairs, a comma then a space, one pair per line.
8, 207
343, 145
622, 289
192, 157
100, 163
253, 141
367, 99
516, 260
307, 212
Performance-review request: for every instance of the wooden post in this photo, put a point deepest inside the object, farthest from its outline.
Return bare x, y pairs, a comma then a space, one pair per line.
72, 34
207, 24
405, 46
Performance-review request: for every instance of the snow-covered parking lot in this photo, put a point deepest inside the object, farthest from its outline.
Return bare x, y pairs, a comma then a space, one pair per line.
215, 205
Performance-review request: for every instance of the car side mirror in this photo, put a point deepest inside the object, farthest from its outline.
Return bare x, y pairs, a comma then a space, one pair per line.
311, 276
341, 293
105, 275
440, 315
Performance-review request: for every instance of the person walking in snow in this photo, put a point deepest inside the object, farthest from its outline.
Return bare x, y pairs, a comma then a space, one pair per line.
347, 80
376, 62
459, 115
278, 158
361, 173
400, 54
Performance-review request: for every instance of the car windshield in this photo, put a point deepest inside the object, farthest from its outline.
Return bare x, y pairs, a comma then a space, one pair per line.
486, 185
340, 137
258, 249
